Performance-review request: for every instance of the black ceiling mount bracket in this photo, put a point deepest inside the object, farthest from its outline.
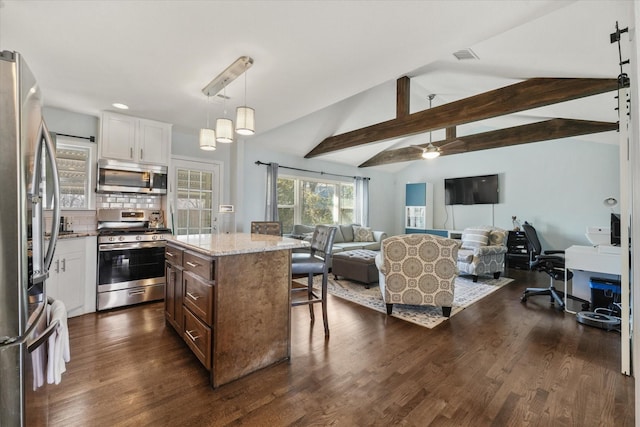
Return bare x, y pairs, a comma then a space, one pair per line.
615, 37
623, 78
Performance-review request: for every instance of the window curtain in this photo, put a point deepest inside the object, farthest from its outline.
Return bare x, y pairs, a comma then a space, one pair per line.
362, 201
271, 209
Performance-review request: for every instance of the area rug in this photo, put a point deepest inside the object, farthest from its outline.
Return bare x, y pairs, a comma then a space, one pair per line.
466, 293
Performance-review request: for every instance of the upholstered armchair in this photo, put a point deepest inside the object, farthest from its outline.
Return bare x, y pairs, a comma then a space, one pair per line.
482, 252
418, 269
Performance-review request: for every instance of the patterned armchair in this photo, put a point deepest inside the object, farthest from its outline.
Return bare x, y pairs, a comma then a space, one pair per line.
418, 269
482, 252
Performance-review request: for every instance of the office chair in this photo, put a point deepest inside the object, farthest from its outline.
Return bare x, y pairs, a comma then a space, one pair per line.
550, 262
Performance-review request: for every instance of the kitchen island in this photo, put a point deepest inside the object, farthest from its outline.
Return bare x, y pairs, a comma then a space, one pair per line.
228, 296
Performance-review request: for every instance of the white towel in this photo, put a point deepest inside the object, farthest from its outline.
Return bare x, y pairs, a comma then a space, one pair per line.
39, 366
58, 344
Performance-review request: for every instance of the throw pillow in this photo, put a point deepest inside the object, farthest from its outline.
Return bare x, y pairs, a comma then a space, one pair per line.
474, 238
362, 234
347, 232
338, 238
498, 236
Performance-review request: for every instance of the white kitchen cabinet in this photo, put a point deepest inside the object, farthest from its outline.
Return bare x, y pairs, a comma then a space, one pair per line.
134, 139
72, 275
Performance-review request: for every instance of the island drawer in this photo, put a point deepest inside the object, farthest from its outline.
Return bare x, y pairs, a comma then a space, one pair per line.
198, 296
173, 255
199, 264
197, 335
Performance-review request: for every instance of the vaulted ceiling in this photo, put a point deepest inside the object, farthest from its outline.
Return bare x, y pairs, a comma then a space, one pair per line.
322, 69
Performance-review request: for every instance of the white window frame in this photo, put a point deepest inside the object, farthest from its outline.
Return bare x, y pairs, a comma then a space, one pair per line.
297, 197
214, 167
90, 183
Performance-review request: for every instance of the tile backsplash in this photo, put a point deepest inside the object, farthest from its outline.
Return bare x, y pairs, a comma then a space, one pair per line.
86, 221
78, 221
133, 201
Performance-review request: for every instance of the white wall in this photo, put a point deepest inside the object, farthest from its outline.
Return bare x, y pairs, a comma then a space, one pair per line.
558, 186
76, 124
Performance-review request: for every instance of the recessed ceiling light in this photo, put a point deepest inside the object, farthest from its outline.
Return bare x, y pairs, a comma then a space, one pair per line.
120, 106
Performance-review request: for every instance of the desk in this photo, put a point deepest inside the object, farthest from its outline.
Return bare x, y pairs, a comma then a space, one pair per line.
591, 260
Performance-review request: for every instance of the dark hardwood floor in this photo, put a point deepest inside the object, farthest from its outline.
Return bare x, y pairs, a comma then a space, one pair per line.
497, 363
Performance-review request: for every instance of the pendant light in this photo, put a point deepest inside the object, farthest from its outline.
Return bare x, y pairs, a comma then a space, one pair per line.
207, 135
224, 126
431, 152
245, 116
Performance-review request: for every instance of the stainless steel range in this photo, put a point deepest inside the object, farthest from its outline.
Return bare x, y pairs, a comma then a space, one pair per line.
131, 246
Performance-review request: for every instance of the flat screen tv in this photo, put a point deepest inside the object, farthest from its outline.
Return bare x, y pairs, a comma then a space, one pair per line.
615, 229
471, 190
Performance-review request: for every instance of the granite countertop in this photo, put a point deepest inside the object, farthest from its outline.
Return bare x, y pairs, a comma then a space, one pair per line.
72, 234
235, 243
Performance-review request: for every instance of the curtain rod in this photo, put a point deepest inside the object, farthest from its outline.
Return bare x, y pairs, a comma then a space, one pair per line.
90, 138
258, 162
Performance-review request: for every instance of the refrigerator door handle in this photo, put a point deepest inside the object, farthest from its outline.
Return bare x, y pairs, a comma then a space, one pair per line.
51, 150
9, 342
43, 337
35, 198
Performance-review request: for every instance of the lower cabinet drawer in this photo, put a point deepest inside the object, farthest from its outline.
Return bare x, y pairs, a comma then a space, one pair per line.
198, 337
198, 296
199, 264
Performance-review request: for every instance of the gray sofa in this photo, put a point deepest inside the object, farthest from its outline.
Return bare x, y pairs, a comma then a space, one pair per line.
345, 239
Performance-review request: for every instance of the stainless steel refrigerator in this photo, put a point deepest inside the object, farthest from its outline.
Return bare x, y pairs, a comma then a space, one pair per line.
27, 155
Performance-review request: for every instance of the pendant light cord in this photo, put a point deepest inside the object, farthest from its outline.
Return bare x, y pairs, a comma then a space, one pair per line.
208, 108
431, 96
224, 104
245, 85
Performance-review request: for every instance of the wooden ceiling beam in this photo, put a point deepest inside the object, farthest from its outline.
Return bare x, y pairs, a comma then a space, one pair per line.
451, 133
534, 132
403, 90
532, 93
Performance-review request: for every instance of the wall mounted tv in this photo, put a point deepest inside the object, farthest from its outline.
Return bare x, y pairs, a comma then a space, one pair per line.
471, 190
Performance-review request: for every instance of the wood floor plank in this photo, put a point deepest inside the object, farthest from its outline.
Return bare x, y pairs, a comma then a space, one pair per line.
497, 363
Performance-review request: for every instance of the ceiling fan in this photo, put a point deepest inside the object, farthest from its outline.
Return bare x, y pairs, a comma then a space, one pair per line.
447, 146
428, 152
431, 151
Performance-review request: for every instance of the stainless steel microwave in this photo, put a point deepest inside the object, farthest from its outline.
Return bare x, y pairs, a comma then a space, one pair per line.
121, 177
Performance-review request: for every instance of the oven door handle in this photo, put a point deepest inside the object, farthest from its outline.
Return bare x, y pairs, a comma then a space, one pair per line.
130, 245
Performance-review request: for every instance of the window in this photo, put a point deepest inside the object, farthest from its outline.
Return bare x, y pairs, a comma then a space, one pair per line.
195, 197
305, 201
75, 160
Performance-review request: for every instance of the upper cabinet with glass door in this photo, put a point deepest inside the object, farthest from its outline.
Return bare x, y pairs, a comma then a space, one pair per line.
134, 140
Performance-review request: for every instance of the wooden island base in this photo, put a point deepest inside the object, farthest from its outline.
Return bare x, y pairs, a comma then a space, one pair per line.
231, 305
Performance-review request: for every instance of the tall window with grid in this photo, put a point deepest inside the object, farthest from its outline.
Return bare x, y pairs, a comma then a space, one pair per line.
194, 201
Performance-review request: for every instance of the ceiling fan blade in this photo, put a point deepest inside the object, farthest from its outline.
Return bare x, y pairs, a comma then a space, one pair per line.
451, 144
418, 147
454, 151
